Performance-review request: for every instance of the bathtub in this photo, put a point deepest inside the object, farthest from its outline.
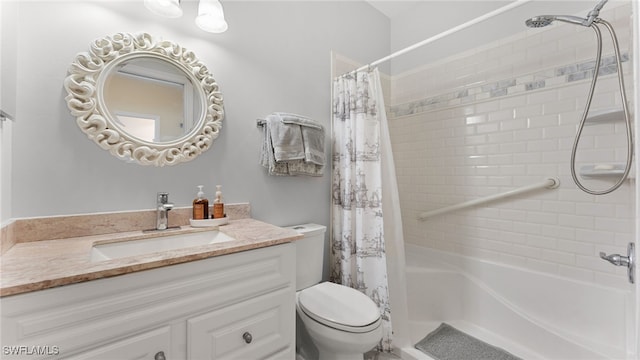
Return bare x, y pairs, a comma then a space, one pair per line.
530, 314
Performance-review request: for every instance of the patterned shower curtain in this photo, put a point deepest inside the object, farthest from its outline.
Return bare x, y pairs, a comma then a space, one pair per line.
357, 241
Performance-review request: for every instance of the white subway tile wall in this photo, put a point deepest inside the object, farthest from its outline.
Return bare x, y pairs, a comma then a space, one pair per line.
503, 116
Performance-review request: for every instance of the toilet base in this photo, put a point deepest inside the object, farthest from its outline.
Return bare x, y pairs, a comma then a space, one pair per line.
334, 344
330, 354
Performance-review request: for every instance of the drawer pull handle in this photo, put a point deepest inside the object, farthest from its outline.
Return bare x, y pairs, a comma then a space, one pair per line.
247, 337
160, 356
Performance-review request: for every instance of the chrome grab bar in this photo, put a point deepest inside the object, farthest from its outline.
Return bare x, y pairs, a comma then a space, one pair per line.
550, 183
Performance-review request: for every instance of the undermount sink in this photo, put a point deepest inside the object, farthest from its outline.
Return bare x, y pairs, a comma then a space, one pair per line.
123, 249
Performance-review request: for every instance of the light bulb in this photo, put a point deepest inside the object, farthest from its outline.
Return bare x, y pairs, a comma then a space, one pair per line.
166, 8
211, 16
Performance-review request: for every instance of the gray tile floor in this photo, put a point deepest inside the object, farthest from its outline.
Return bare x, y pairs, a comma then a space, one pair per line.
372, 355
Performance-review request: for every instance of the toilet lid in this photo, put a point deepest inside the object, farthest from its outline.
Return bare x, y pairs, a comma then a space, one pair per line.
340, 307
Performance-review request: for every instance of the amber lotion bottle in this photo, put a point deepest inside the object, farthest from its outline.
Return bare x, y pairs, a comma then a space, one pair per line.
200, 206
218, 205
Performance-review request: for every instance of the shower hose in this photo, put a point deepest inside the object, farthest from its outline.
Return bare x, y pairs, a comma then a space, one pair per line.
588, 105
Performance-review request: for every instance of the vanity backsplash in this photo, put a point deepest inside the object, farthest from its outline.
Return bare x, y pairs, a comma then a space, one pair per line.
60, 227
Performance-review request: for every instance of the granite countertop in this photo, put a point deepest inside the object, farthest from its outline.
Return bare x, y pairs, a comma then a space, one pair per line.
38, 265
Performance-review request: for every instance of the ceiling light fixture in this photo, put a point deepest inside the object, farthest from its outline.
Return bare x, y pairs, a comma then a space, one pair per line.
211, 16
166, 8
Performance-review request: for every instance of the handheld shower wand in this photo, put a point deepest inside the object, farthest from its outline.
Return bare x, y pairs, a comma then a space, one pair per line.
544, 20
592, 20
593, 14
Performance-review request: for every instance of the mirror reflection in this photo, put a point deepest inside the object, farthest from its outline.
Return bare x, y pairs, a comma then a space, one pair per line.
151, 100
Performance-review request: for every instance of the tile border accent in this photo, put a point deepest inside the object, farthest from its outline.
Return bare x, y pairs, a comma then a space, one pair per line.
560, 75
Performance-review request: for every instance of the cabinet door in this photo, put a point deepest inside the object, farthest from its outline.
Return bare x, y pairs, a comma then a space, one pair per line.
259, 328
146, 346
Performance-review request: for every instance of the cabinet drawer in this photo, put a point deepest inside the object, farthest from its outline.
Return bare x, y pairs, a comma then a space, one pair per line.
259, 328
143, 346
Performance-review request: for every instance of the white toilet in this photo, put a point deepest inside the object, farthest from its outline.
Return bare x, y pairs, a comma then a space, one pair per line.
342, 322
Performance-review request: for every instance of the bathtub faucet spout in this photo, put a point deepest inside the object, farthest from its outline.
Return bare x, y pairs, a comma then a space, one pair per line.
615, 259
620, 260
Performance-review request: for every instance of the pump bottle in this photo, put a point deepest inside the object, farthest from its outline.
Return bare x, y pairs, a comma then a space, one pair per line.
218, 205
200, 206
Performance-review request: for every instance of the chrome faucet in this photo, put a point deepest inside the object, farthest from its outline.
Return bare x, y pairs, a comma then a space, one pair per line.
162, 211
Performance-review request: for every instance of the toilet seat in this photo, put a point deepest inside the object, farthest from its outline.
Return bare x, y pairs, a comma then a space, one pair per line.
340, 307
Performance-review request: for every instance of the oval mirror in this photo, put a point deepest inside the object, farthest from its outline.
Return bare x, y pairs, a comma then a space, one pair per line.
146, 101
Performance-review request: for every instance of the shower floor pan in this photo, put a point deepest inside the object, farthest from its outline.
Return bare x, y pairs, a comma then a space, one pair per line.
419, 329
530, 314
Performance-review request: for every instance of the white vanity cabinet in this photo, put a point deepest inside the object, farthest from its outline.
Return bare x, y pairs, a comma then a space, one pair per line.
236, 306
147, 345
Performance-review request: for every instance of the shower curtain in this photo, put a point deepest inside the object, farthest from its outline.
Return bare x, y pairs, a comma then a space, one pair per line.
358, 257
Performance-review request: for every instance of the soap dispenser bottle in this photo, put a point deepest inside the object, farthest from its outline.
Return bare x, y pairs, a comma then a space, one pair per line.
218, 205
200, 206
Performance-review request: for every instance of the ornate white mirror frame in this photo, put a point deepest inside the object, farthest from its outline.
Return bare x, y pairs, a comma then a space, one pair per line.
85, 87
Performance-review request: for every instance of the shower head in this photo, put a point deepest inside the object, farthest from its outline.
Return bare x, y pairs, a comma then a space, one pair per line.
544, 20
539, 21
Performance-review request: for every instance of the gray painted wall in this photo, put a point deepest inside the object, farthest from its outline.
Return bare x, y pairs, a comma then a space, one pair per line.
274, 57
7, 104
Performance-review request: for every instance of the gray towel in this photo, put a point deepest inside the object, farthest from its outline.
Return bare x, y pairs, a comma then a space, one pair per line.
267, 158
312, 136
286, 139
313, 140
292, 159
300, 167
289, 118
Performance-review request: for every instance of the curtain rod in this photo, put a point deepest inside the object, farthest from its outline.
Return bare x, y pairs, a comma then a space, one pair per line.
445, 33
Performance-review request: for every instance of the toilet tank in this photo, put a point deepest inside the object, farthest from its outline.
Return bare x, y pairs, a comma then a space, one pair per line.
309, 254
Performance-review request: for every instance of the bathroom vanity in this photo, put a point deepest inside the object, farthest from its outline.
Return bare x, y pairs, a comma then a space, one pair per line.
223, 301
98, 286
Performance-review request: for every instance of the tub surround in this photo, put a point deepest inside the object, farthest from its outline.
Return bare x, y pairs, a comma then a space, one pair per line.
51, 252
508, 119
512, 307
